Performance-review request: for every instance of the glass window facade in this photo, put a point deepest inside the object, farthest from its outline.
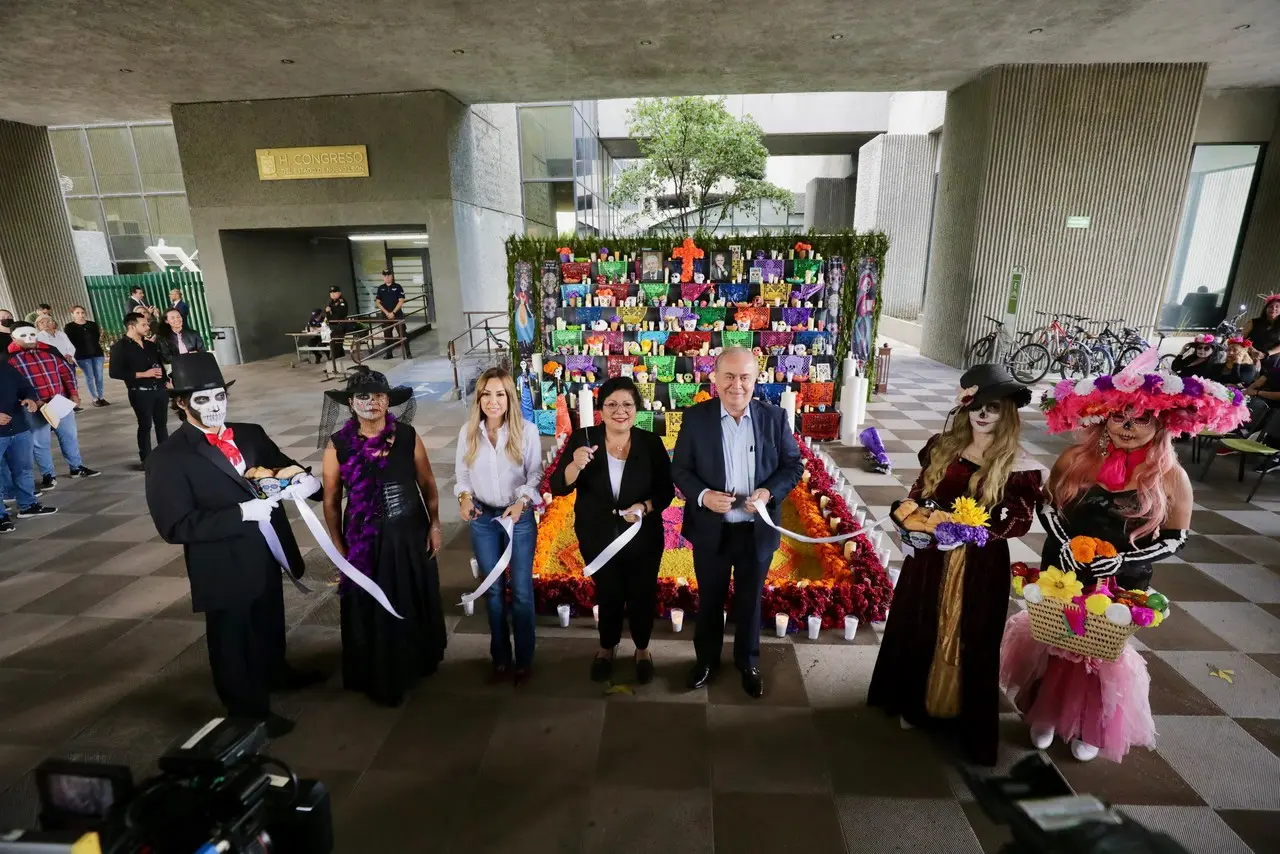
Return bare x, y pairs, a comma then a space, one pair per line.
1219, 190
566, 172
126, 182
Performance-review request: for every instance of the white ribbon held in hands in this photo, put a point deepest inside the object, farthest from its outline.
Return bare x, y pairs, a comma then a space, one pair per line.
499, 567
764, 515
611, 551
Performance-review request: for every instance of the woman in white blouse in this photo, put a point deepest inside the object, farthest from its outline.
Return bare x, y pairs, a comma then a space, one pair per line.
499, 467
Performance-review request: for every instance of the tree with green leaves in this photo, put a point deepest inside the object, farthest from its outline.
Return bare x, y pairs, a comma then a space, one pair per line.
700, 159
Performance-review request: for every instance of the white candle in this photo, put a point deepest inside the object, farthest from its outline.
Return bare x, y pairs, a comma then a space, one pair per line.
563, 612
815, 626
537, 367
789, 406
884, 557
893, 573
595, 614
808, 441
850, 627
468, 607
780, 624
475, 568
877, 539
586, 414
726, 616
677, 619
860, 516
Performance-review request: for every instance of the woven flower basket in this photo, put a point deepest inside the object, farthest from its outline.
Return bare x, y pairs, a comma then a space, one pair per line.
1102, 638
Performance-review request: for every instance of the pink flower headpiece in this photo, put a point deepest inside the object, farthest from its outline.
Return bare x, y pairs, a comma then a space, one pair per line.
1205, 339
1270, 298
1241, 340
1183, 404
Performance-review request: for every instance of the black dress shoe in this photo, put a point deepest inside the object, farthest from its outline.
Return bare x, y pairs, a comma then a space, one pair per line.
644, 670
296, 680
279, 726
699, 676
753, 682
601, 668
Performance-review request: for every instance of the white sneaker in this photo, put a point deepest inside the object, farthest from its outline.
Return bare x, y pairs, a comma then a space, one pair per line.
902, 722
1083, 751
1042, 737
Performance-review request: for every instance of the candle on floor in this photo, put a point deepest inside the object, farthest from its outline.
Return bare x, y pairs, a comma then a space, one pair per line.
563, 612
475, 568
595, 614
815, 626
808, 441
893, 573
468, 607
877, 539
780, 624
677, 619
850, 627
860, 516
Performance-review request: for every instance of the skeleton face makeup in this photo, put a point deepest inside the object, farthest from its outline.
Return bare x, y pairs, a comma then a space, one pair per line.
209, 408
369, 406
26, 336
984, 420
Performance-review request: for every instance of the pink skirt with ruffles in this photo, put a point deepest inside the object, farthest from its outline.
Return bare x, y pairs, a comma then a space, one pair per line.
1102, 703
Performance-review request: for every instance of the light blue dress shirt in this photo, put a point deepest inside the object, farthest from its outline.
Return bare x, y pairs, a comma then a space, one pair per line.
738, 444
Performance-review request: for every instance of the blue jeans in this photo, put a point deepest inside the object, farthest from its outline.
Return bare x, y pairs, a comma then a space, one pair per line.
68, 441
17, 478
488, 542
92, 368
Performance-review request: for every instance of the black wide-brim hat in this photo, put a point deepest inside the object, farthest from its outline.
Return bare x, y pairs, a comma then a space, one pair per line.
192, 372
362, 380
983, 384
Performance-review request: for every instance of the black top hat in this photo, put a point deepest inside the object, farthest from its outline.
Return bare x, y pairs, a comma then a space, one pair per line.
990, 383
192, 372
388, 273
363, 380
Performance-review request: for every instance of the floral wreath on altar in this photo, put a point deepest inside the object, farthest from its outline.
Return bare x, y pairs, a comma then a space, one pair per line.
853, 582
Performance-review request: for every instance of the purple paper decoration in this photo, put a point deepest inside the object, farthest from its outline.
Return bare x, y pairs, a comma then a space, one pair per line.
770, 338
704, 364
579, 363
798, 365
770, 267
677, 312
796, 316
804, 292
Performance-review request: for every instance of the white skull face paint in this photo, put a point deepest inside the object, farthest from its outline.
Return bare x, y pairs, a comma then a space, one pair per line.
210, 407
369, 406
26, 336
984, 420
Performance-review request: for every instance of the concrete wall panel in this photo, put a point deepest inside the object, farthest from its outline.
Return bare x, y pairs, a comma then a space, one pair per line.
1259, 269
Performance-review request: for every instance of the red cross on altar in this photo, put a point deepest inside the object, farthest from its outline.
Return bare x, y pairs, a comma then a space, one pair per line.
686, 253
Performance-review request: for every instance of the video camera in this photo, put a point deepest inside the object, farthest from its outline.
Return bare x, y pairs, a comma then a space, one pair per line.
213, 796
1047, 817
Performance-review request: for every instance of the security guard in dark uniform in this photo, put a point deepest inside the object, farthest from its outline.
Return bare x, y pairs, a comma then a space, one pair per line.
390, 301
336, 313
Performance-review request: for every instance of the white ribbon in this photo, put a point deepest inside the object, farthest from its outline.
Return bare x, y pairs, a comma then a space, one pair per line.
611, 550
277, 551
498, 568
764, 515
364, 582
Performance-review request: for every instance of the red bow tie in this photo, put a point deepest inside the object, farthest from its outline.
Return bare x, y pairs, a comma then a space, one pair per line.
223, 442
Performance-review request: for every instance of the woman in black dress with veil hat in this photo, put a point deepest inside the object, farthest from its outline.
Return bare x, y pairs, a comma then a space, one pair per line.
390, 532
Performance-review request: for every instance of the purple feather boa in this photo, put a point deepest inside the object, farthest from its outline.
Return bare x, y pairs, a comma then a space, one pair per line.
363, 505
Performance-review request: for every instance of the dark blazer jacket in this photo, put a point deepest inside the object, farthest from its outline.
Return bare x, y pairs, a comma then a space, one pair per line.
194, 494
698, 464
645, 477
168, 343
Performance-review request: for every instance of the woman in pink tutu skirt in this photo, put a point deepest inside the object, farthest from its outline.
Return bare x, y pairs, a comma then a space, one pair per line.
1121, 483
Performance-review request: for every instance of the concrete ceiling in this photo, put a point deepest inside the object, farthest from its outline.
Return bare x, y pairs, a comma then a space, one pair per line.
63, 61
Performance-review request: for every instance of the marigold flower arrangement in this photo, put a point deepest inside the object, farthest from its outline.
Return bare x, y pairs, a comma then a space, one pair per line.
549, 368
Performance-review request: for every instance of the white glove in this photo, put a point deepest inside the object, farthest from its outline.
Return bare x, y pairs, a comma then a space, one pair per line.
257, 510
303, 486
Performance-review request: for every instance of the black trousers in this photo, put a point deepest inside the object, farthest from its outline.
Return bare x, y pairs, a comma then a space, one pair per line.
391, 333
738, 556
628, 587
151, 408
246, 650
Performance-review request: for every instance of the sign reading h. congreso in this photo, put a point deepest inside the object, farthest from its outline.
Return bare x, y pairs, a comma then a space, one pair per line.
325, 161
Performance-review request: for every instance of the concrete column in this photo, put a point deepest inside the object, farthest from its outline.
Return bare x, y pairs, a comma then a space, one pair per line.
37, 256
828, 204
1259, 269
1026, 147
895, 195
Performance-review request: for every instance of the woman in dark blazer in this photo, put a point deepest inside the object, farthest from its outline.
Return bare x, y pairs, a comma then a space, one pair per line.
621, 473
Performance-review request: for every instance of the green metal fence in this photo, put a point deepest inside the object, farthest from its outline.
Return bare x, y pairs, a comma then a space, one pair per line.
107, 296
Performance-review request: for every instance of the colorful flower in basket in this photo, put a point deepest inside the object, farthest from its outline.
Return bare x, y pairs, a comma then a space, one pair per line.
1086, 549
1023, 575
1056, 584
968, 524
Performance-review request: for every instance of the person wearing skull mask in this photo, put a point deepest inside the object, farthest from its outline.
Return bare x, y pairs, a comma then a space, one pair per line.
939, 659
235, 543
51, 375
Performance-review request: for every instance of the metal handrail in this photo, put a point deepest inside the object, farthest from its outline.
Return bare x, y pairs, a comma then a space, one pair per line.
356, 340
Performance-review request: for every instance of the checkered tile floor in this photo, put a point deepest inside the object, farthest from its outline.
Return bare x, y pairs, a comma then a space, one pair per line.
100, 658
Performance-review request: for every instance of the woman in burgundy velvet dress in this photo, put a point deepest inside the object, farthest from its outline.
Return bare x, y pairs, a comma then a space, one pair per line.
939, 659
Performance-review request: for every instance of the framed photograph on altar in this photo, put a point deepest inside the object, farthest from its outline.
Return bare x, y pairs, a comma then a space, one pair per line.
720, 268
651, 266
755, 276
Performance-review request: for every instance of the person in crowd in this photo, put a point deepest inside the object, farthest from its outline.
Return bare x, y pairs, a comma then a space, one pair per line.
1264, 332
336, 312
1238, 367
622, 475
1120, 483
199, 498
136, 362
87, 340
390, 532
18, 400
732, 453
178, 304
1262, 398
50, 375
498, 469
47, 332
42, 310
136, 303
939, 658
1196, 358
315, 324
6, 327
390, 300
174, 337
